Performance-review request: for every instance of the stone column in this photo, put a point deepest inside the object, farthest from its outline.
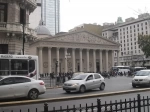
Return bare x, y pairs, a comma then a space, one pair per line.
117, 58
41, 60
100, 60
66, 66
49, 60
57, 53
81, 60
112, 58
94, 60
106, 60
87, 55
73, 59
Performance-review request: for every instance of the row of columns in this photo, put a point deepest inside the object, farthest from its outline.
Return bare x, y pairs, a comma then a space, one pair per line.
73, 59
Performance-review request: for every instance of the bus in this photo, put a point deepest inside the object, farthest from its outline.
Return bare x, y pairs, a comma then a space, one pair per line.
24, 65
135, 69
121, 69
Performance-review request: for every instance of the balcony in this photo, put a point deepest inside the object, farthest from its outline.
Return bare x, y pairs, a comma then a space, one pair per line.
28, 4
16, 28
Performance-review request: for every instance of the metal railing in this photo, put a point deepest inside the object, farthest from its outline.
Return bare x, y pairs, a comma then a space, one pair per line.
139, 104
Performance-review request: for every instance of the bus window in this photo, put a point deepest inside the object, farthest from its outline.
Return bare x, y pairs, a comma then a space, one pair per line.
4, 67
31, 66
19, 67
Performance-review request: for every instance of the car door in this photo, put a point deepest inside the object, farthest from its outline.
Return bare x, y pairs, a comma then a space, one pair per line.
21, 86
89, 82
97, 80
6, 88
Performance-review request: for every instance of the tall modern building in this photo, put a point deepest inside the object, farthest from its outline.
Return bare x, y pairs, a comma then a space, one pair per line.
51, 15
126, 33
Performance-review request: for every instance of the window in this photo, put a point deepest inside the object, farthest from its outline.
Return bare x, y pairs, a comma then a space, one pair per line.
3, 48
22, 16
7, 81
137, 25
31, 66
90, 77
4, 67
19, 67
21, 80
3, 12
146, 32
97, 76
145, 23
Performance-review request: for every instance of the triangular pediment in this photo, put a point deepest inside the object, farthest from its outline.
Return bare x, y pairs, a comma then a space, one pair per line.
82, 37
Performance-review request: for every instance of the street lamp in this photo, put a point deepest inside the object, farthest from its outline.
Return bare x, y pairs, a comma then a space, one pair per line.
23, 21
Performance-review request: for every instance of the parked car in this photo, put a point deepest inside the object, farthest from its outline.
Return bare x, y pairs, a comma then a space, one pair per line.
141, 78
84, 81
20, 86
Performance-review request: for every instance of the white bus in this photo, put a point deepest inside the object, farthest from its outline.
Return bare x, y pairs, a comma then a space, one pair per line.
121, 68
135, 69
25, 65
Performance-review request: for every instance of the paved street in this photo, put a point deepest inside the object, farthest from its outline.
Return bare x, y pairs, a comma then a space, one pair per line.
113, 84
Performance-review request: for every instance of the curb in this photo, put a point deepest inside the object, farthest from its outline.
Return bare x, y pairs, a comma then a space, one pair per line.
6, 104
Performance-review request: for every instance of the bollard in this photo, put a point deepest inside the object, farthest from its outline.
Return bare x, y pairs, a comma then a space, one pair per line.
45, 107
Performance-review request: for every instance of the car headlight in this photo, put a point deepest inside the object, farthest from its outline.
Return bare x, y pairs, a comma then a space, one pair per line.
75, 84
146, 79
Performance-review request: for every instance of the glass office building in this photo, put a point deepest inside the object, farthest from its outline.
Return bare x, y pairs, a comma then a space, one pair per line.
51, 15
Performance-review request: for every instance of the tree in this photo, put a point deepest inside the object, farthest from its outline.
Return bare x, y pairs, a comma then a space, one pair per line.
144, 44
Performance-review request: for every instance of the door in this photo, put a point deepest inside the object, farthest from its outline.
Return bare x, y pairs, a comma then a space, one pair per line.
6, 88
21, 86
89, 82
97, 80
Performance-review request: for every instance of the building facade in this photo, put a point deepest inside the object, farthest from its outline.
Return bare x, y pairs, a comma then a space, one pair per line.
74, 52
14, 14
97, 29
51, 15
126, 34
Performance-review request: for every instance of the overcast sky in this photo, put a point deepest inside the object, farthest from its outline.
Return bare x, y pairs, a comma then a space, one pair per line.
76, 12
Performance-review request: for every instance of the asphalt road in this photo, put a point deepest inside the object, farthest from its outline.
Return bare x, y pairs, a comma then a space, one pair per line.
112, 85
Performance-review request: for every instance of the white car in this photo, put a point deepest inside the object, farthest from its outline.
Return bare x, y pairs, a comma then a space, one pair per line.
20, 86
83, 82
141, 78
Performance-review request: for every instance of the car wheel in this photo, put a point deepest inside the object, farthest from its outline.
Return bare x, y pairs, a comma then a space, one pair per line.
33, 94
102, 86
133, 85
82, 89
67, 91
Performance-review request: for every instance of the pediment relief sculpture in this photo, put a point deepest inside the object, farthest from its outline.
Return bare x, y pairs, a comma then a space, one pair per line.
82, 37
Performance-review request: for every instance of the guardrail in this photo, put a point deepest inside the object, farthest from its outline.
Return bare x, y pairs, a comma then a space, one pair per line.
4, 104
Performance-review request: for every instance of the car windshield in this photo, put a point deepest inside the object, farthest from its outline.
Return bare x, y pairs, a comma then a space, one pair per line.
142, 73
79, 77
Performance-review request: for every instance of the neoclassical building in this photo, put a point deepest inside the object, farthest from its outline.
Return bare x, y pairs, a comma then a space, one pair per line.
74, 52
14, 17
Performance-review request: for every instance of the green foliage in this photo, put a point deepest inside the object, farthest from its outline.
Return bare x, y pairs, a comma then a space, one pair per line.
144, 44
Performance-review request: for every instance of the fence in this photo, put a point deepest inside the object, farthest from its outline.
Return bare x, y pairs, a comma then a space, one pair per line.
135, 105
54, 81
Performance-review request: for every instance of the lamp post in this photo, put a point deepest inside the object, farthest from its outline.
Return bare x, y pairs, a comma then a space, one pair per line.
23, 22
